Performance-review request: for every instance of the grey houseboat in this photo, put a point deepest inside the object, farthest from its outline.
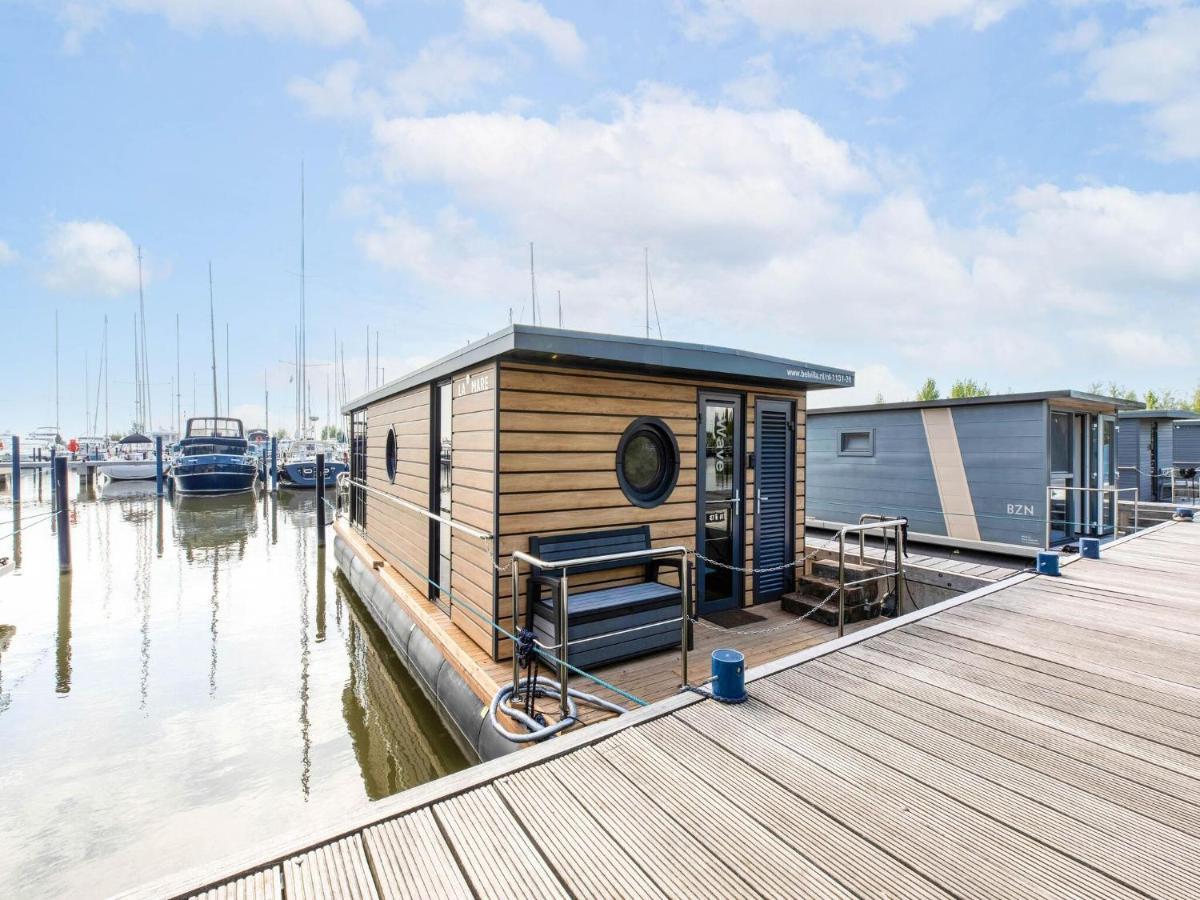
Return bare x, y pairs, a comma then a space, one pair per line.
1147, 453
972, 472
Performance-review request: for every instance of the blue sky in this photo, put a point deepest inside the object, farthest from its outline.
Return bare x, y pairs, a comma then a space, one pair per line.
909, 188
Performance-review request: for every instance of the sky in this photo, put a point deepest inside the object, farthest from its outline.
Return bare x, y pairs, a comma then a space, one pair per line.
992, 189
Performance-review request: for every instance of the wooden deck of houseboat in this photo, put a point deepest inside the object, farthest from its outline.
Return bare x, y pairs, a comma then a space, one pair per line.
1040, 737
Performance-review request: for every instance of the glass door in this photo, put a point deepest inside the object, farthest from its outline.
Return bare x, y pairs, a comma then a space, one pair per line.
1062, 477
719, 527
1108, 474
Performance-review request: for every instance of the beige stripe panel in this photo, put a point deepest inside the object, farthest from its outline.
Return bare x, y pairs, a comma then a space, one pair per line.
950, 474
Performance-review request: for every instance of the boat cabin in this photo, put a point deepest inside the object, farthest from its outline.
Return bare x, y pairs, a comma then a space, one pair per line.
534, 434
1146, 450
1008, 472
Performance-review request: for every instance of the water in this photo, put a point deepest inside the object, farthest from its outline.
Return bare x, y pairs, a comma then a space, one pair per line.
202, 682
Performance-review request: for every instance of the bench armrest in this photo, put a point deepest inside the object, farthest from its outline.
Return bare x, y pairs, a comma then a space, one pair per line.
533, 590
670, 563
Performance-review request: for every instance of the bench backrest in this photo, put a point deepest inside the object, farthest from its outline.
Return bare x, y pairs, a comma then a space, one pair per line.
561, 547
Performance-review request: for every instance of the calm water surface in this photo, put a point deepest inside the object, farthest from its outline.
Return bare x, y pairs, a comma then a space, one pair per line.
203, 681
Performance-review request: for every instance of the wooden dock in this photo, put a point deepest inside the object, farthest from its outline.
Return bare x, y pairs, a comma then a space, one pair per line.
1038, 738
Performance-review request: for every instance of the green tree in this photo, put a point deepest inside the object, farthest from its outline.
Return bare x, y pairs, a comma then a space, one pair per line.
1152, 400
968, 387
1196, 399
929, 390
281, 433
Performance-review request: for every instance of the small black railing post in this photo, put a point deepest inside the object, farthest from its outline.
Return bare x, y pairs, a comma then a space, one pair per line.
158, 465
320, 499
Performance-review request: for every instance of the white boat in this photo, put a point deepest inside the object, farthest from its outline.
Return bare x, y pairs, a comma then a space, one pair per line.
133, 460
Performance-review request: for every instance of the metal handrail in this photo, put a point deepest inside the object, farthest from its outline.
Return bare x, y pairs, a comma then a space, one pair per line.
563, 649
896, 525
429, 514
1110, 489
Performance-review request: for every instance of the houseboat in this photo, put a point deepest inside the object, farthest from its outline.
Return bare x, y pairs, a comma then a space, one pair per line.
565, 444
1012, 473
1146, 450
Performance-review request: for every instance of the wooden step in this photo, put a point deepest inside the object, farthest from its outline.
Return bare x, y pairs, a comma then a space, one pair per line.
828, 568
861, 600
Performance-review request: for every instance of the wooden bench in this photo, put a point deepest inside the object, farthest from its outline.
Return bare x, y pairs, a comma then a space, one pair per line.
601, 611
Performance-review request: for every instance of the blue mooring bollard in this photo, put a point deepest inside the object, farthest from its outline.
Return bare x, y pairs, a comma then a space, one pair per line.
1047, 562
274, 485
1089, 548
729, 676
320, 499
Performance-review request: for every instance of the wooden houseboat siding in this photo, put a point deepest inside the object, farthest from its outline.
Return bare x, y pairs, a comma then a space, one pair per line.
473, 498
399, 534
559, 429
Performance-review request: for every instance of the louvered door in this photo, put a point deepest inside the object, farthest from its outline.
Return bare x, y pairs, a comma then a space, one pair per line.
774, 477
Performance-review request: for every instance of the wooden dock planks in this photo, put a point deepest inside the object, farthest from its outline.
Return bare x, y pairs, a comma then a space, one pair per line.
1041, 740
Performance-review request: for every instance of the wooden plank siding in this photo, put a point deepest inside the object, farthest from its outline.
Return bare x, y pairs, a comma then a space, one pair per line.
559, 429
400, 535
473, 499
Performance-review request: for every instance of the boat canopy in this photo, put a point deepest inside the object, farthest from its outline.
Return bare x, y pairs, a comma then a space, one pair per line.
135, 438
214, 426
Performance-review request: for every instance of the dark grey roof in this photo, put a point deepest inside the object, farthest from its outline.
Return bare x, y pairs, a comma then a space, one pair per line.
1075, 396
533, 343
1159, 414
135, 438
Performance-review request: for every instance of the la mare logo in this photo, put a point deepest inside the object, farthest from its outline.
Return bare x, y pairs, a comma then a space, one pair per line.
473, 384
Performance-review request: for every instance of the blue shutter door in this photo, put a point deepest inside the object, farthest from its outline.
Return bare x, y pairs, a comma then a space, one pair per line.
774, 456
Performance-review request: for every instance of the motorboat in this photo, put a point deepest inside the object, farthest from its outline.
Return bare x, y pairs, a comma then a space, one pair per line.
299, 467
132, 460
214, 457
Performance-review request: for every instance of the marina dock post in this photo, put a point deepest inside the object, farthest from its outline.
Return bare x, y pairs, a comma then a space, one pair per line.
274, 464
320, 499
158, 465
263, 475
16, 470
60, 507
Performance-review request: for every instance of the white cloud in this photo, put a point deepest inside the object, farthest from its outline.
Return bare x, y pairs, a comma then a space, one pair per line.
445, 73
508, 18
883, 20
8, 255
757, 87
329, 22
1156, 66
770, 233
848, 62
90, 258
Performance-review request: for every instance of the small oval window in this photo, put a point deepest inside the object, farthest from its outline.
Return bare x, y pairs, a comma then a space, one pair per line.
647, 462
390, 455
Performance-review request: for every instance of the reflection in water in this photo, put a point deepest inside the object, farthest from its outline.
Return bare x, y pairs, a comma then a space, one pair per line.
62, 644
16, 527
391, 725
108, 784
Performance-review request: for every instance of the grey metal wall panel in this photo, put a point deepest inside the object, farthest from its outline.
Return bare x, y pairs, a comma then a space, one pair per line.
1004, 454
1128, 437
1187, 443
897, 481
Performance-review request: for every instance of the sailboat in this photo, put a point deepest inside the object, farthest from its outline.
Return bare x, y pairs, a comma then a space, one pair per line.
214, 456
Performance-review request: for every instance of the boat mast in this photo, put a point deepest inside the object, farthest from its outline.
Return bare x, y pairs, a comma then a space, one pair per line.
87, 400
228, 392
137, 381
303, 371
147, 406
106, 431
56, 404
178, 384
212, 333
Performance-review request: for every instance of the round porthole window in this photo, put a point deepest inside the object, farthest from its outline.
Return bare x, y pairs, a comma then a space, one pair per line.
647, 462
389, 453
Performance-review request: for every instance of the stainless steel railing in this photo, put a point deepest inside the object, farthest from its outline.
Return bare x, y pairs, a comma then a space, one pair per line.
1115, 491
897, 526
562, 648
